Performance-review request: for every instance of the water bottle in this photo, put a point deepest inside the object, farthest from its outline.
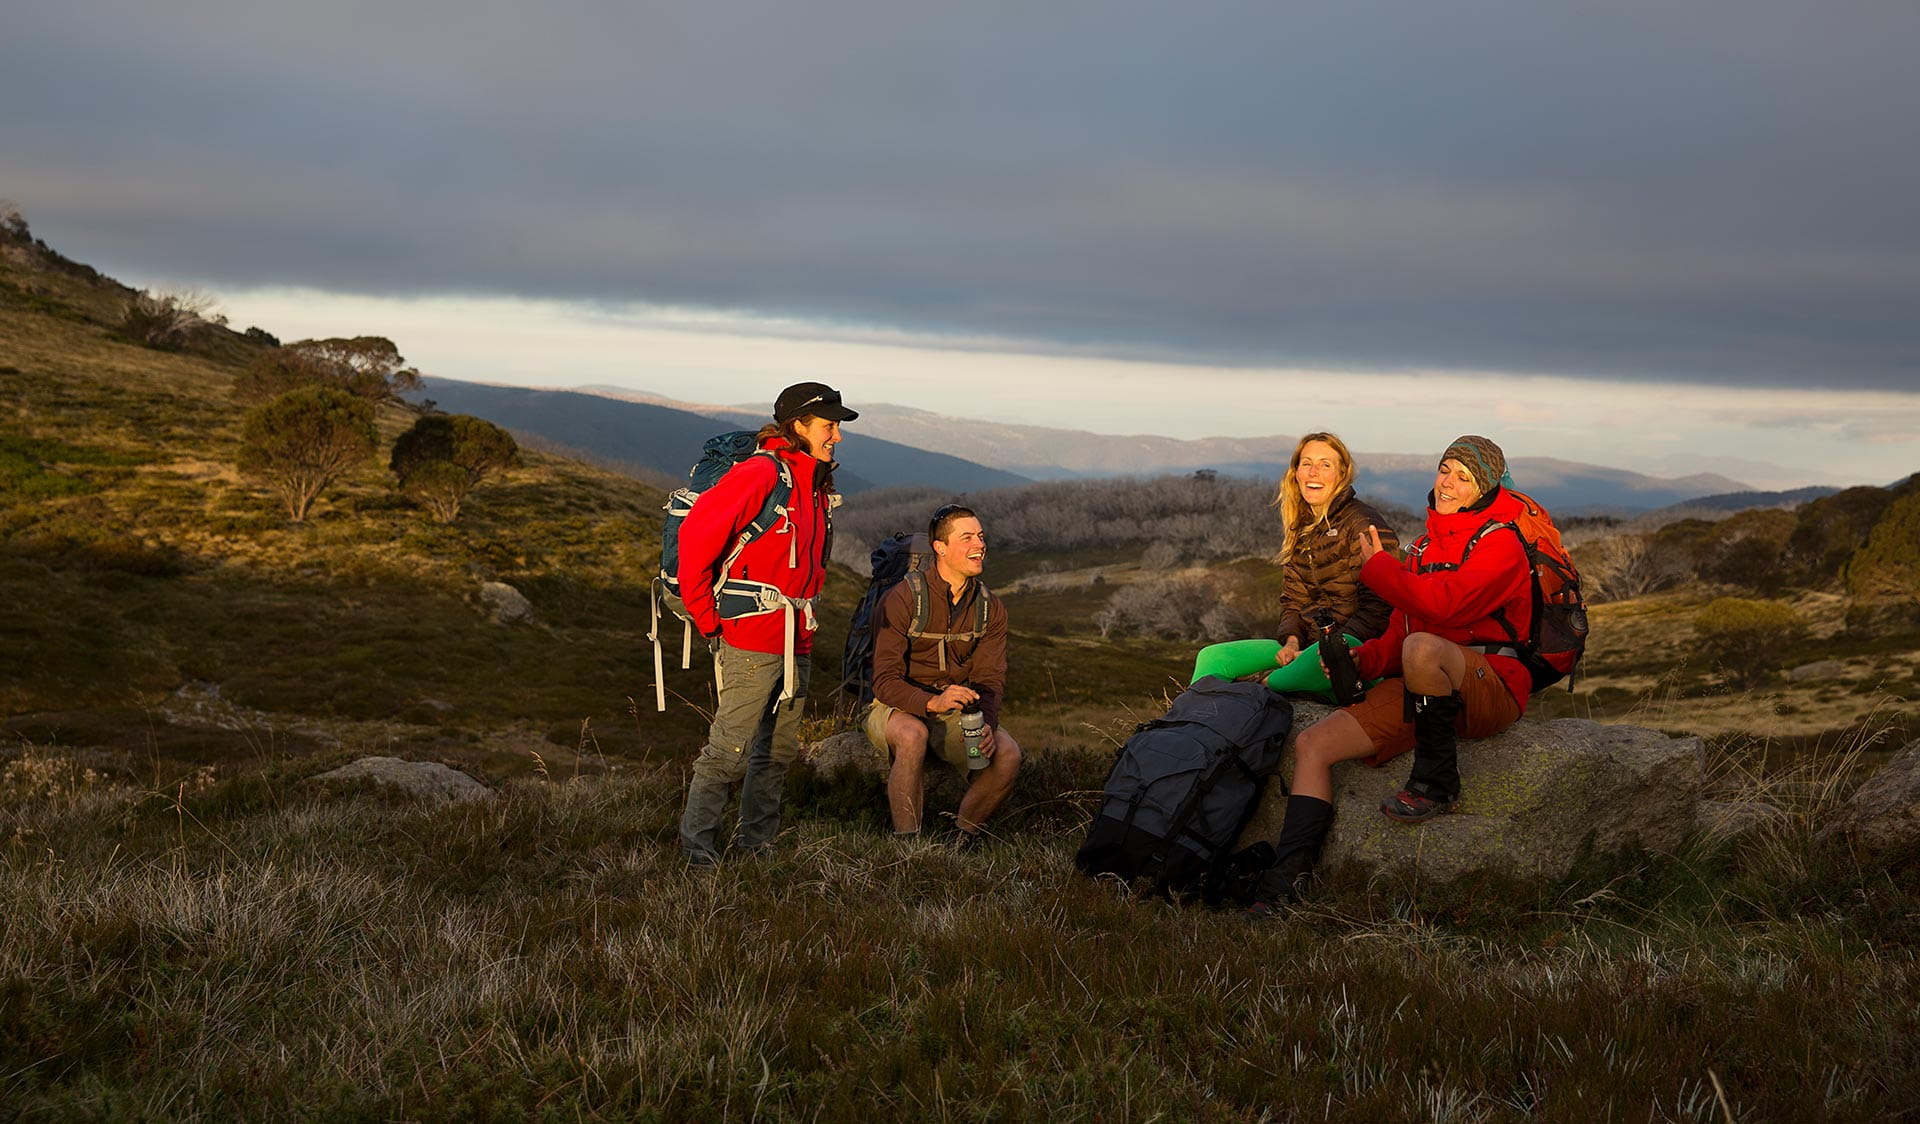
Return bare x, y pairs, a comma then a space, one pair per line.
973, 728
1348, 686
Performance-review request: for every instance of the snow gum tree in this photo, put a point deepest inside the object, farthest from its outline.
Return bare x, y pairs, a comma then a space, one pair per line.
302, 441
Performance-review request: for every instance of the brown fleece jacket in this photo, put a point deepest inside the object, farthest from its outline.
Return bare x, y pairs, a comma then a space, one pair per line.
907, 675
1324, 573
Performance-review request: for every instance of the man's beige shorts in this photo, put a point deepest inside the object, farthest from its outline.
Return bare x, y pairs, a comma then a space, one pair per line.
944, 739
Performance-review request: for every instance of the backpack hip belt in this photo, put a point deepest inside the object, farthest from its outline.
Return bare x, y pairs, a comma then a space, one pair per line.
738, 598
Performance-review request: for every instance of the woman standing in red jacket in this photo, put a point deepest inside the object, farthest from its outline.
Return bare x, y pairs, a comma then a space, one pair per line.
1449, 666
754, 604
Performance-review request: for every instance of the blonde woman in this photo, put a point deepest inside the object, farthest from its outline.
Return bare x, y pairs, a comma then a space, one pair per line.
1324, 529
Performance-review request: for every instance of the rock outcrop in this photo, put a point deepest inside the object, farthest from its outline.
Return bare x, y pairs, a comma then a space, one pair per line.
428, 780
508, 604
1884, 812
1534, 799
849, 747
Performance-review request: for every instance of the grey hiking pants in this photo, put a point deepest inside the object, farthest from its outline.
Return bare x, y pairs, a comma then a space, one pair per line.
754, 737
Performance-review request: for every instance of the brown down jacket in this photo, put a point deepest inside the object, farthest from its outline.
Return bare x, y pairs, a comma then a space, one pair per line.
1324, 573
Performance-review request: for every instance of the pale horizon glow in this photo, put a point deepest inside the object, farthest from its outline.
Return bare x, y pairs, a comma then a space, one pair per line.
1768, 439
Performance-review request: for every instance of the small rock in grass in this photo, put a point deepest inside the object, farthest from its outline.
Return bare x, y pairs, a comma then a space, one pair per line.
508, 604
428, 780
1818, 670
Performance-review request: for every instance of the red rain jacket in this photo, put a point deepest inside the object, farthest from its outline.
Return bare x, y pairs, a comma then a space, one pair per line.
791, 556
1456, 605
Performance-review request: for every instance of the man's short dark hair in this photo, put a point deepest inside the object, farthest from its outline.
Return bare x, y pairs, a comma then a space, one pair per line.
942, 520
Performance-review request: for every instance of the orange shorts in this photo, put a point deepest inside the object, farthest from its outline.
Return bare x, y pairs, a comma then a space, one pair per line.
1487, 708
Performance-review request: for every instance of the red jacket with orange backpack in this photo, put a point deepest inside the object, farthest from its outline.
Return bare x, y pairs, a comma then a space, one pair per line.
1479, 598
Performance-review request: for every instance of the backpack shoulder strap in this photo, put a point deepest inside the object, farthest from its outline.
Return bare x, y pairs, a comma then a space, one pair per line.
1488, 528
780, 496
917, 583
981, 600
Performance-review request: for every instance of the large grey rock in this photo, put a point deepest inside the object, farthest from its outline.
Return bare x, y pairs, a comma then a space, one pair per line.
1534, 798
943, 783
508, 604
428, 780
1884, 812
849, 747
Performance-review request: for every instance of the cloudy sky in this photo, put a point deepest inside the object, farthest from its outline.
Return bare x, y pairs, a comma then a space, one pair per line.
1661, 236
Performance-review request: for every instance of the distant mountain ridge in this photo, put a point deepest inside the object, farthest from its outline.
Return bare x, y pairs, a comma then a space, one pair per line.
1050, 453
664, 439
1743, 501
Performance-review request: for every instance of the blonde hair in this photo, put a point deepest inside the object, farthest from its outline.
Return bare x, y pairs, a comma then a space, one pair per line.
1296, 514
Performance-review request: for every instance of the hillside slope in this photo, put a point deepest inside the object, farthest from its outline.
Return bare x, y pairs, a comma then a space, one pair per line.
150, 595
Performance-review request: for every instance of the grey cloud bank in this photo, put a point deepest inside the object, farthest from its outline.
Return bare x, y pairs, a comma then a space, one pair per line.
1701, 193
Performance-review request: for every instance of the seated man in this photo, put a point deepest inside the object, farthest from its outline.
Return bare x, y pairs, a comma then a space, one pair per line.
927, 672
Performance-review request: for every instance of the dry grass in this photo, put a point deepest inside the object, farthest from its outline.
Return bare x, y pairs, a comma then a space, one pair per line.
259, 949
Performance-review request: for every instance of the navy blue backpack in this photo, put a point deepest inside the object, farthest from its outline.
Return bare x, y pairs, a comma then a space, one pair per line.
1184, 786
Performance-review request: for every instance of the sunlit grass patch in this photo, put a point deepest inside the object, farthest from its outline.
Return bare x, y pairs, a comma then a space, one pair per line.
262, 942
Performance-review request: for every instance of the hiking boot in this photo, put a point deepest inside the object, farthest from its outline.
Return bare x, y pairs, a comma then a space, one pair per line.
1283, 883
1413, 807
967, 842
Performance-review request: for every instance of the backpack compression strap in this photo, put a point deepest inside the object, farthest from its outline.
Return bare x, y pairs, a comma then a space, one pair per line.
654, 593
917, 629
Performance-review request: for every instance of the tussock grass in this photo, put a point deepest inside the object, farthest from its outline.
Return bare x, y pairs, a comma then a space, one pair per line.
251, 946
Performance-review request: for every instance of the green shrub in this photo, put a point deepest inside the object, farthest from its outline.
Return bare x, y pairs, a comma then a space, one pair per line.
1828, 531
1749, 638
1889, 565
1745, 549
443, 457
368, 367
303, 440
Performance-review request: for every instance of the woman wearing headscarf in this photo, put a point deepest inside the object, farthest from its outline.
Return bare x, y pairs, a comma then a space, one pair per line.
1447, 662
1324, 528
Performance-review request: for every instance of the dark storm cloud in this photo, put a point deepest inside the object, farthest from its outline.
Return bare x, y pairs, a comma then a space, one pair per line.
1708, 192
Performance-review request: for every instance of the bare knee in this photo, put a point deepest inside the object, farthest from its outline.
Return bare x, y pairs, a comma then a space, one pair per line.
1424, 650
1337, 737
907, 739
1006, 750
1314, 745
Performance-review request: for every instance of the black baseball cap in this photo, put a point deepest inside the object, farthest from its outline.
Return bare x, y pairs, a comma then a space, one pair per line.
811, 398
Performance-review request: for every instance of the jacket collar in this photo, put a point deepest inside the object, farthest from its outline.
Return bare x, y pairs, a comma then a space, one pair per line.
1494, 505
936, 582
805, 465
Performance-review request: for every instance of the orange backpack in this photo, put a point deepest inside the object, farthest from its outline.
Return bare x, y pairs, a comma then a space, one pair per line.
1558, 636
